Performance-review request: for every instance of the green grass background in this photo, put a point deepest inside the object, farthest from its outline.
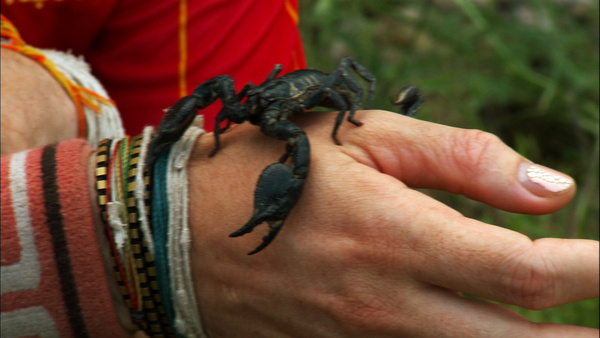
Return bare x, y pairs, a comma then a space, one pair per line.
526, 71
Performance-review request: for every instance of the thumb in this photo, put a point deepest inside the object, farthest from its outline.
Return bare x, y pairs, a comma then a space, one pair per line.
474, 163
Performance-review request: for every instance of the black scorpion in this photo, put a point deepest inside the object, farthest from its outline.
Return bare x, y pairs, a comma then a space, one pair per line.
269, 105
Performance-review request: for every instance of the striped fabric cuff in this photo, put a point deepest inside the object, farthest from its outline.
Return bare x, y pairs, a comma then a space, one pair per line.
52, 274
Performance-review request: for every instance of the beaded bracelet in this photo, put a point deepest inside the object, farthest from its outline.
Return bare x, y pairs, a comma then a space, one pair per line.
133, 262
102, 187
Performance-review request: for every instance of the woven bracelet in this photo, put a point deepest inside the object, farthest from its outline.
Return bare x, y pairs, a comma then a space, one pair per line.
102, 188
154, 319
160, 225
82, 97
133, 263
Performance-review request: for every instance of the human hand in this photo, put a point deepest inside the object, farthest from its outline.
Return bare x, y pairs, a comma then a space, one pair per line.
36, 109
364, 255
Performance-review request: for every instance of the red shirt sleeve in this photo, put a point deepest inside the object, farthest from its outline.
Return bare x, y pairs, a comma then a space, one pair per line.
150, 53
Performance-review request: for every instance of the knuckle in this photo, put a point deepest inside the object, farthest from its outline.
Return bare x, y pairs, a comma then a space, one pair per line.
472, 149
532, 283
362, 309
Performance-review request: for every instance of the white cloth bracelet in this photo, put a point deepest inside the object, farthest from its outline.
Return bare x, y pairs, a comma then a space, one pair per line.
107, 123
187, 317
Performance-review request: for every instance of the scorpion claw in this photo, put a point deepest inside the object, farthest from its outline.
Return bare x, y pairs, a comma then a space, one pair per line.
277, 191
274, 228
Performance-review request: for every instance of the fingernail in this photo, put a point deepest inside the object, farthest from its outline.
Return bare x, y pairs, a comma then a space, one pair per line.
543, 181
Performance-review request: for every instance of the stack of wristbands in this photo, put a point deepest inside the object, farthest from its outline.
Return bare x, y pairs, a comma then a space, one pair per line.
145, 224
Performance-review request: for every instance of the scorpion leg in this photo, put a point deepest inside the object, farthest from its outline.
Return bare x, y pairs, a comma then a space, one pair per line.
279, 186
328, 95
276, 70
232, 110
339, 103
355, 87
240, 96
217, 131
335, 101
364, 73
224, 116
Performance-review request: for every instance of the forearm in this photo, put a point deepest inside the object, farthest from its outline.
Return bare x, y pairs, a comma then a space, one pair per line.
53, 264
36, 109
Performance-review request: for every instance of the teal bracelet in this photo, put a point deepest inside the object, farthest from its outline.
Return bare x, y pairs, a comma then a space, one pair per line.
160, 225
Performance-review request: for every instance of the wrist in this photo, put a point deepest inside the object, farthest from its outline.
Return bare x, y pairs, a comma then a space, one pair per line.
149, 265
121, 309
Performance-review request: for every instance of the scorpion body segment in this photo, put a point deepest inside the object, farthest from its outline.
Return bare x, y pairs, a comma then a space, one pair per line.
269, 106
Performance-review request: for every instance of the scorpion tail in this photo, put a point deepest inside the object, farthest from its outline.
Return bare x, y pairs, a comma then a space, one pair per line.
409, 99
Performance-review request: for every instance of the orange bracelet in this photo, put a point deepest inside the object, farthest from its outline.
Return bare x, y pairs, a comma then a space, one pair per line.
81, 96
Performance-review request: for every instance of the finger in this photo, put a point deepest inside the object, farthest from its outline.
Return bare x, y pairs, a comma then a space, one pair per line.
463, 317
469, 162
462, 254
402, 231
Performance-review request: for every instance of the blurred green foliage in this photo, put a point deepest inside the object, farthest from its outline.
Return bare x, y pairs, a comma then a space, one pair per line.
526, 71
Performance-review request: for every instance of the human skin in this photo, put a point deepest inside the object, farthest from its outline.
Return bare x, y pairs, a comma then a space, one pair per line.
363, 254
36, 110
